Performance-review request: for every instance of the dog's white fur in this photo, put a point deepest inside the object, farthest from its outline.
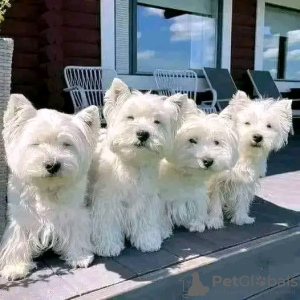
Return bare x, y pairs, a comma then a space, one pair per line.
235, 189
124, 176
183, 175
46, 210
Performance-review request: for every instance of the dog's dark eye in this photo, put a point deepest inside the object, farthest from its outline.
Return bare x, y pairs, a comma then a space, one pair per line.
192, 141
35, 144
157, 122
216, 142
247, 123
130, 118
269, 126
66, 144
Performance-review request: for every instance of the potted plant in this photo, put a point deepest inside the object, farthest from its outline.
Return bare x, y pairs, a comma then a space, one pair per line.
4, 4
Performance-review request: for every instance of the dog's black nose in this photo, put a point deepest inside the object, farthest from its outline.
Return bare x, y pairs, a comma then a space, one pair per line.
257, 138
207, 162
143, 135
53, 168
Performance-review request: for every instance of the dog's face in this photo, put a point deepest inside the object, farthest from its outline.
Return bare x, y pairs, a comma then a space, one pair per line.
48, 148
263, 125
205, 143
140, 125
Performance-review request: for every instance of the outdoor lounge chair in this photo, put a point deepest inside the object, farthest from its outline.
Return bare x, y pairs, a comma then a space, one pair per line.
221, 85
264, 86
87, 85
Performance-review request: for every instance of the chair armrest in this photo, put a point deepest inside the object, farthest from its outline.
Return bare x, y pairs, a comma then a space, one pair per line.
207, 102
81, 92
72, 88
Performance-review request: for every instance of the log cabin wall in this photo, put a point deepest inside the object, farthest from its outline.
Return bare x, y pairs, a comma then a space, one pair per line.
48, 35
243, 40
21, 24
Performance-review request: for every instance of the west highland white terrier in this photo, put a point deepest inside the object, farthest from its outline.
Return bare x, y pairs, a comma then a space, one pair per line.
204, 145
263, 126
124, 177
49, 155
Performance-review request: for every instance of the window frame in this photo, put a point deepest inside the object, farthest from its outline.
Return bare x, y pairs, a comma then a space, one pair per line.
133, 39
259, 35
147, 82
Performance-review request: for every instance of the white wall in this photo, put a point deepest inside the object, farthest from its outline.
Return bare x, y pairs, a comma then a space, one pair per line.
108, 52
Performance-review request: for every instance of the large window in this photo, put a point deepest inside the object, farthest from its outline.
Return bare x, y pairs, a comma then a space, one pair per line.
281, 54
174, 34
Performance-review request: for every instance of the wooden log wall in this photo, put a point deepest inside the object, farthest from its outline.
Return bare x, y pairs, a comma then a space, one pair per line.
243, 40
49, 35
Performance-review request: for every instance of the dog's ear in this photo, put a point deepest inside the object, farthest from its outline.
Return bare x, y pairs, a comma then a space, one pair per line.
283, 109
227, 113
180, 100
240, 100
114, 97
117, 88
18, 108
90, 117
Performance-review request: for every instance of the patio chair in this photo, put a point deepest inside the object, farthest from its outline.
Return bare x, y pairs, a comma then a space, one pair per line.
221, 85
179, 81
170, 82
87, 85
264, 86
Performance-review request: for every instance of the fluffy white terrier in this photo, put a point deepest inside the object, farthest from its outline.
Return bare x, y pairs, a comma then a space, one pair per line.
124, 196
49, 154
263, 126
204, 145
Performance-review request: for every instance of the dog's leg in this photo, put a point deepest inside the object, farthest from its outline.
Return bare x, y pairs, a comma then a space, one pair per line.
240, 214
107, 231
74, 240
145, 226
197, 213
15, 254
215, 214
166, 223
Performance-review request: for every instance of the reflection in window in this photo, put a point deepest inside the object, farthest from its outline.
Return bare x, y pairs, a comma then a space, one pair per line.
282, 43
175, 34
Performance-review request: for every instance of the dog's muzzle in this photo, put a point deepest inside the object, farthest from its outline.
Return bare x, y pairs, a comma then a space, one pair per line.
53, 168
256, 140
142, 137
207, 162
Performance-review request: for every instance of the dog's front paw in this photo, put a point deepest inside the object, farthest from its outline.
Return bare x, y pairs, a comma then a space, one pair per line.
166, 231
109, 249
15, 272
148, 242
215, 223
81, 262
242, 220
196, 227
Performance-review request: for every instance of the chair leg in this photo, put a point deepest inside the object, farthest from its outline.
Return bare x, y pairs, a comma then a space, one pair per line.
292, 130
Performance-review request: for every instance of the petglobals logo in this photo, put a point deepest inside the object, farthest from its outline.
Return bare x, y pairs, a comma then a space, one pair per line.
251, 281
193, 286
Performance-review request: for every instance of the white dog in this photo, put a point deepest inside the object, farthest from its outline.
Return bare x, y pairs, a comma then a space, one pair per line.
124, 197
263, 126
204, 145
49, 154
